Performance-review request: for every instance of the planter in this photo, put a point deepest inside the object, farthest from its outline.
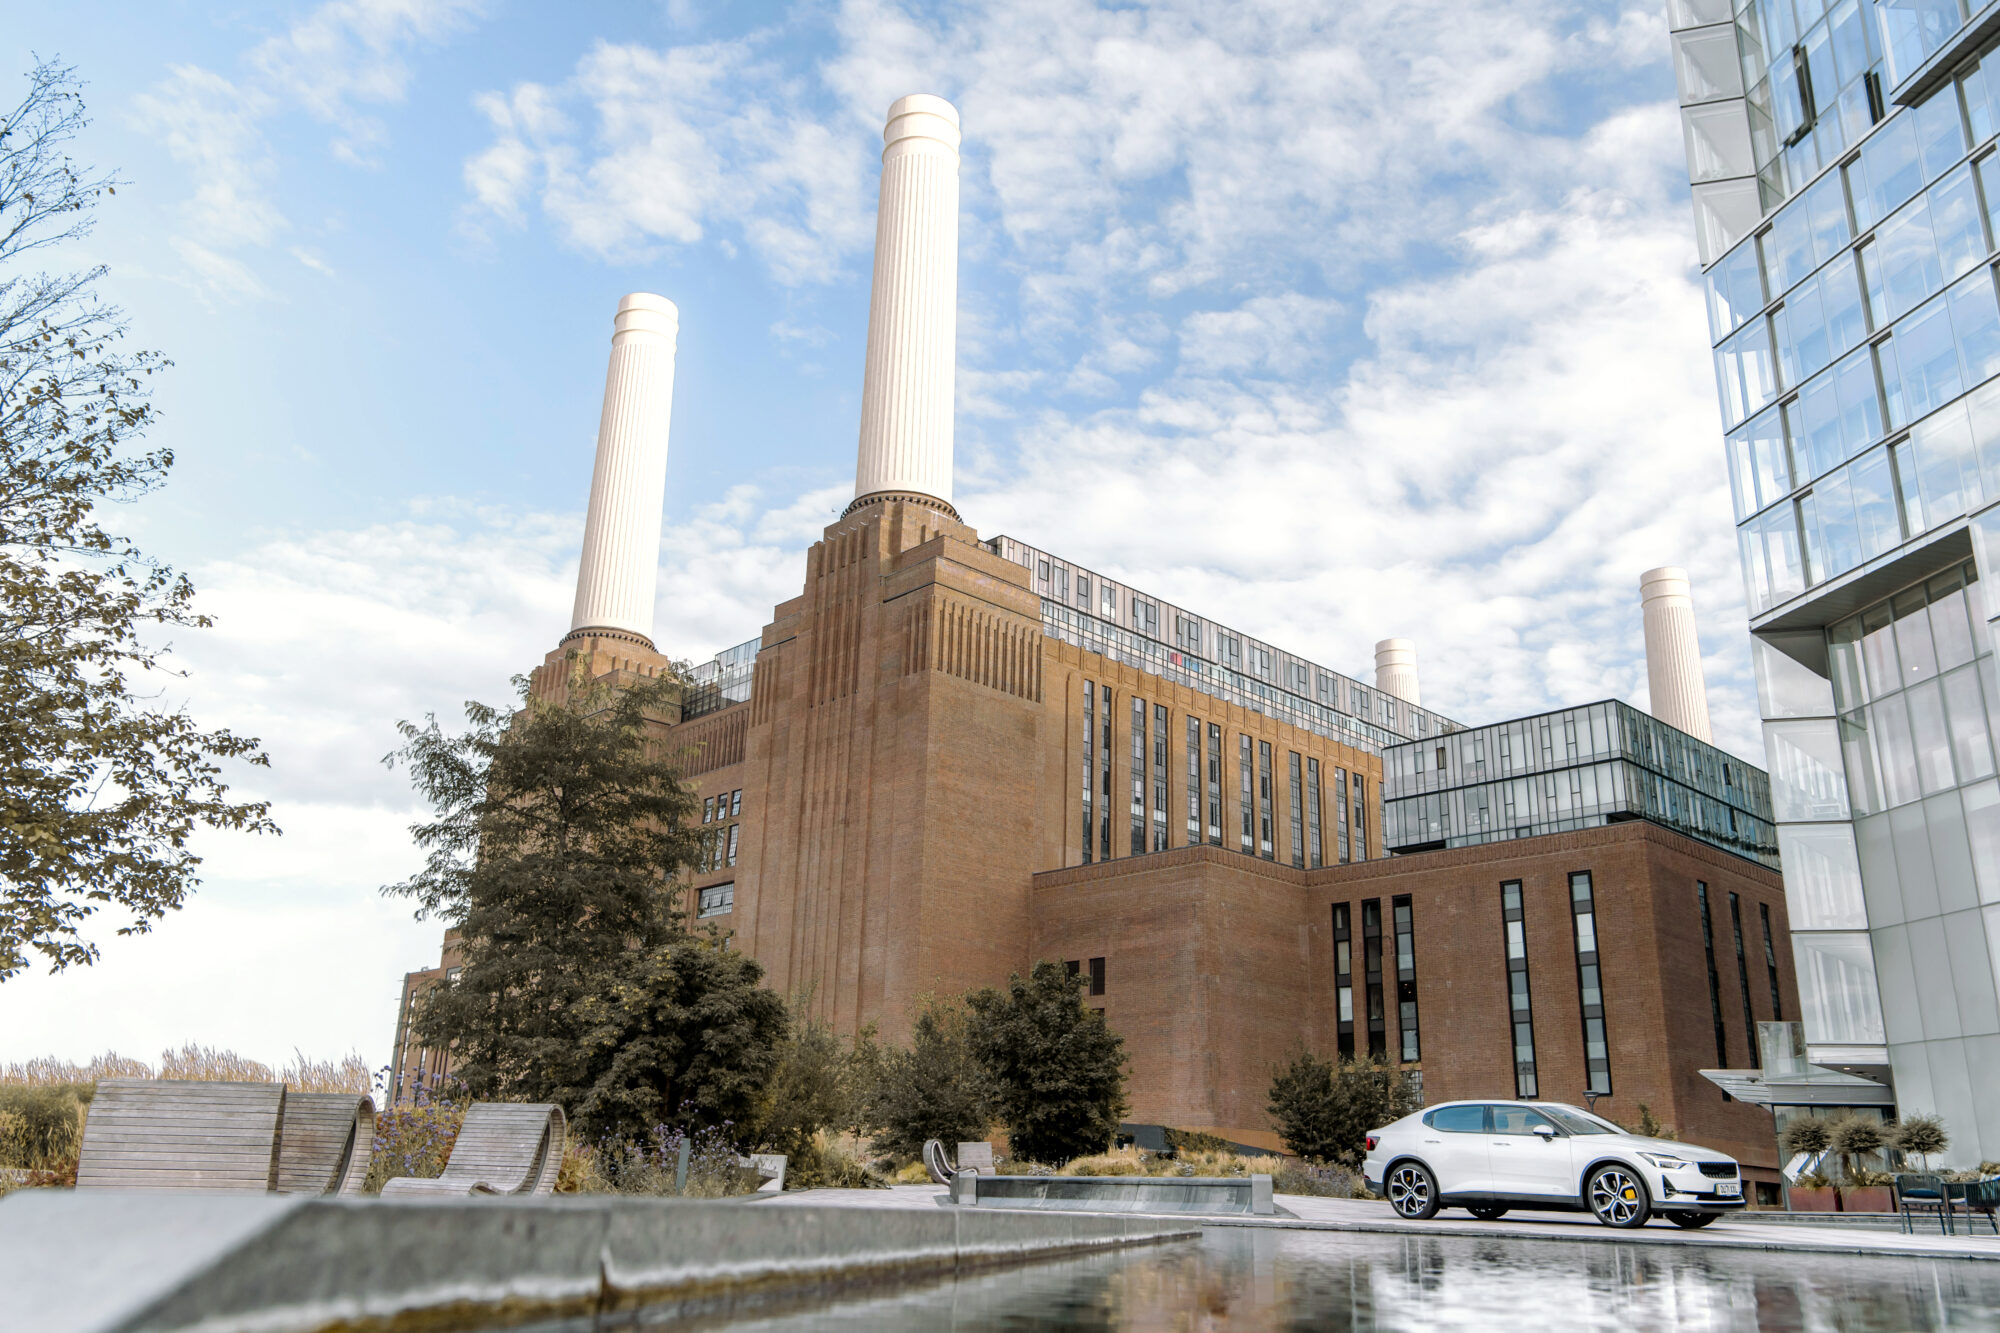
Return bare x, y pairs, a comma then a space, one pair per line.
1868, 1199
1802, 1200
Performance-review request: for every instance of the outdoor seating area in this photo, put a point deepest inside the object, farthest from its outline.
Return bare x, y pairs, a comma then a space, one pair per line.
1929, 1196
502, 1148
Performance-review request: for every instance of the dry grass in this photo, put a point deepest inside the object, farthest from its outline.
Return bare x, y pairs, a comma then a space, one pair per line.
201, 1064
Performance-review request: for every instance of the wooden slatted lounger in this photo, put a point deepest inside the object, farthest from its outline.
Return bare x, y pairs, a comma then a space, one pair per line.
503, 1148
328, 1139
145, 1133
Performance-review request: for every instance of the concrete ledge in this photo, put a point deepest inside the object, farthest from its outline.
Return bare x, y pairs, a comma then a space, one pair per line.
1207, 1195
132, 1263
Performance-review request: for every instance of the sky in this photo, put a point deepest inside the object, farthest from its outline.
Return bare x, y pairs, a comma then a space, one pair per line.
1334, 321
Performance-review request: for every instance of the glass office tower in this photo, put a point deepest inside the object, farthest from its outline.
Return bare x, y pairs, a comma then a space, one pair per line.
1846, 199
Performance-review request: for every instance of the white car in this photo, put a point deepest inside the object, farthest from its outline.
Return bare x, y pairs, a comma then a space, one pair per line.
1488, 1157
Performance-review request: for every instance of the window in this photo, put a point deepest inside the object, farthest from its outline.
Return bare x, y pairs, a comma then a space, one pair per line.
1265, 815
1074, 967
1108, 601
1315, 847
734, 829
1043, 573
1371, 965
1514, 928
1388, 711
1340, 813
1295, 677
1771, 965
1060, 590
1187, 634
1214, 785
1230, 649
717, 900
1743, 976
1083, 589
1406, 978
1260, 661
1097, 976
1361, 701
1328, 690
1521, 1120
1246, 777
1193, 781
1343, 978
708, 810
736, 802
1298, 810
1590, 984
1159, 803
1714, 979
1146, 618
1360, 819
451, 975
1089, 766
1138, 775
1104, 773
1458, 1119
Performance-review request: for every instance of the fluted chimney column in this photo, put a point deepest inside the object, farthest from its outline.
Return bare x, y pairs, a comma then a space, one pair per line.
1673, 652
1396, 669
906, 391
619, 575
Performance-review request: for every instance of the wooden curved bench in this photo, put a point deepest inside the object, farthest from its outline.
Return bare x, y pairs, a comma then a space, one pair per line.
502, 1148
328, 1140
166, 1134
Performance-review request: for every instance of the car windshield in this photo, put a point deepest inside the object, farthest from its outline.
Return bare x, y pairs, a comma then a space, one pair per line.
1578, 1121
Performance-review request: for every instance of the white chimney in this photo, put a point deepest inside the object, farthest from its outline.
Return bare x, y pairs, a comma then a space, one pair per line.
1396, 669
906, 391
619, 576
1673, 652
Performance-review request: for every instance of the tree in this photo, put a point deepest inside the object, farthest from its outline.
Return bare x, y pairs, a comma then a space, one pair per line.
103, 780
1058, 1072
1324, 1110
1808, 1135
1854, 1137
682, 1036
559, 830
818, 1084
934, 1089
1923, 1135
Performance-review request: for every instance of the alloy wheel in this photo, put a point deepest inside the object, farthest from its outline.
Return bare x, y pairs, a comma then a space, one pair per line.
1618, 1197
1410, 1191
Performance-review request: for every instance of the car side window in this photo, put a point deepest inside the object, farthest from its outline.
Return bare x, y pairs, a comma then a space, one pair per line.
1520, 1120
1459, 1119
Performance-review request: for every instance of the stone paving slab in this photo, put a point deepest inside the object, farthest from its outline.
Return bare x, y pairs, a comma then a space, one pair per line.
1314, 1214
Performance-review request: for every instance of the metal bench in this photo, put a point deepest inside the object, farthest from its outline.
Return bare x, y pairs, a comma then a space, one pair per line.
165, 1134
328, 1140
502, 1148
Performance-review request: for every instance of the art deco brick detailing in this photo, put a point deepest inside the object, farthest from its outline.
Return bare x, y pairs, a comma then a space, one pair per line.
906, 390
619, 572
1396, 669
1673, 652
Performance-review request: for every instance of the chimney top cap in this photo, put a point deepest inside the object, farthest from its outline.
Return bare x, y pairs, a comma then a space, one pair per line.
646, 316
922, 116
1666, 581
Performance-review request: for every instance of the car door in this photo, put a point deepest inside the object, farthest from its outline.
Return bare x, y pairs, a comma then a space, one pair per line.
1527, 1162
1453, 1142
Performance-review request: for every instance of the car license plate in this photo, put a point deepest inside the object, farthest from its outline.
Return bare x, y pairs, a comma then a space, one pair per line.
1729, 1187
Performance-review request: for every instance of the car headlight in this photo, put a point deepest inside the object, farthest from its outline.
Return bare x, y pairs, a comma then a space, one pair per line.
1665, 1161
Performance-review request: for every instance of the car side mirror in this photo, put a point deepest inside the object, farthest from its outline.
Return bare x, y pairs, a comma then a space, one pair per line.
1545, 1133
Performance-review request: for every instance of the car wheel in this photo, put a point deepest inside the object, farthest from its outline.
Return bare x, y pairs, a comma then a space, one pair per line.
1618, 1197
1412, 1191
1487, 1212
1692, 1221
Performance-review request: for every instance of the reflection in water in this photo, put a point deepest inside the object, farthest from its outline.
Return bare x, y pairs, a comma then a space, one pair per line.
1246, 1279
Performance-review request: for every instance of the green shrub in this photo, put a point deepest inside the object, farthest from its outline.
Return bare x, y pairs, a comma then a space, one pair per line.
1323, 1180
933, 1089
1193, 1140
41, 1127
1324, 1110
1058, 1072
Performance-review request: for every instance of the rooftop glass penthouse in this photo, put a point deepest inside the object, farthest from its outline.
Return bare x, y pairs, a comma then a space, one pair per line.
1573, 769
1082, 607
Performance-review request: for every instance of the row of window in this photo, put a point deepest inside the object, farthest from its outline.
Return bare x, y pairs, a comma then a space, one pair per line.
1589, 984
717, 850
1094, 982
726, 806
1376, 980
1742, 975
1255, 814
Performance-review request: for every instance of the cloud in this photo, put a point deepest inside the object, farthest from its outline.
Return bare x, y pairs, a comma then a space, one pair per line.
336, 61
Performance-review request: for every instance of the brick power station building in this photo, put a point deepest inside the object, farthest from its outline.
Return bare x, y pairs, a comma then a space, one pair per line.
951, 755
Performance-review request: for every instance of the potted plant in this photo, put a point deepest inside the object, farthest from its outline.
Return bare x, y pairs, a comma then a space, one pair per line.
1810, 1137
1921, 1135
1864, 1191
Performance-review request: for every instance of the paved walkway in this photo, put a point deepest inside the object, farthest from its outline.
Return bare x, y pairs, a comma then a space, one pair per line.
1311, 1214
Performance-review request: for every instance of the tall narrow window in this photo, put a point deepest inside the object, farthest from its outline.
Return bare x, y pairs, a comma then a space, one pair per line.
1371, 970
1089, 768
1159, 804
1317, 851
1298, 810
1246, 792
1343, 978
1743, 976
1214, 784
1590, 985
1104, 773
1406, 979
1265, 815
1194, 781
1097, 976
1520, 1009
1714, 978
1138, 775
1360, 818
734, 829
1771, 965
1340, 812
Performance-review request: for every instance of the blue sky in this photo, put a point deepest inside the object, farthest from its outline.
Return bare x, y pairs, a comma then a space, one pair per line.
1340, 321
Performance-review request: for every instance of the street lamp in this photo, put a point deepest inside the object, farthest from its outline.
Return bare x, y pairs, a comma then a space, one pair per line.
1590, 1100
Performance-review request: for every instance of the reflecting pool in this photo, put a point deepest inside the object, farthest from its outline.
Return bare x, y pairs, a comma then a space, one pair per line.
1238, 1278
